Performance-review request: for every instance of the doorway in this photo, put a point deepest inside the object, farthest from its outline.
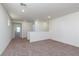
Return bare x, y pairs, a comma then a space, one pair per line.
17, 30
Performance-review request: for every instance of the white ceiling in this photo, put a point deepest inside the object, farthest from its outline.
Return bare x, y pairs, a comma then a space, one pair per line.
40, 11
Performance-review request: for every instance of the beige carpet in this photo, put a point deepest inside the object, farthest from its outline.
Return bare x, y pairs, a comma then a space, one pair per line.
48, 47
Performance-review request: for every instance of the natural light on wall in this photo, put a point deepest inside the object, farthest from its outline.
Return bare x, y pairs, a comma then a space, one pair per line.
36, 25
8, 22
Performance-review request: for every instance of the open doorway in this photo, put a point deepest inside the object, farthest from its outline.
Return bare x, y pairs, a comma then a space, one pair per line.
17, 28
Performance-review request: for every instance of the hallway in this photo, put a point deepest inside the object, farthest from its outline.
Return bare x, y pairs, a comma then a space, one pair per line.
17, 47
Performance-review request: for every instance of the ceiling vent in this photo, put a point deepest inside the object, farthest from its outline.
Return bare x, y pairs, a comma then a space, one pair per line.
23, 4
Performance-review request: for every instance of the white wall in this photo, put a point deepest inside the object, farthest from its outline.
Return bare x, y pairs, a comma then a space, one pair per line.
37, 36
41, 26
66, 29
26, 27
41, 31
5, 29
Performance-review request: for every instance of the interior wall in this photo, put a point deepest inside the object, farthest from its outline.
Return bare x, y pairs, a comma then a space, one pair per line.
40, 31
41, 26
5, 29
66, 29
37, 36
26, 27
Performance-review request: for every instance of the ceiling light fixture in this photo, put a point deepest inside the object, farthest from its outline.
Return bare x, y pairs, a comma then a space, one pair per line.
22, 10
49, 17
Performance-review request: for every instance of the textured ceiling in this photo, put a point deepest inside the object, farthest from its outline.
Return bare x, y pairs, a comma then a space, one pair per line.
40, 11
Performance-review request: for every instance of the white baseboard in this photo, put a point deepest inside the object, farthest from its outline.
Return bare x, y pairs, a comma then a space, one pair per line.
65, 42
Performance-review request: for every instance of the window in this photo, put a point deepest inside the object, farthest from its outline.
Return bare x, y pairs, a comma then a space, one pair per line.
18, 29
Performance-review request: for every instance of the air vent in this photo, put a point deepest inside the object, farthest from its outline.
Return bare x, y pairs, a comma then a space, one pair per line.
23, 4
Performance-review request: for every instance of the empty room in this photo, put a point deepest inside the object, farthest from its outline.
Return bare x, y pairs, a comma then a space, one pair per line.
39, 29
